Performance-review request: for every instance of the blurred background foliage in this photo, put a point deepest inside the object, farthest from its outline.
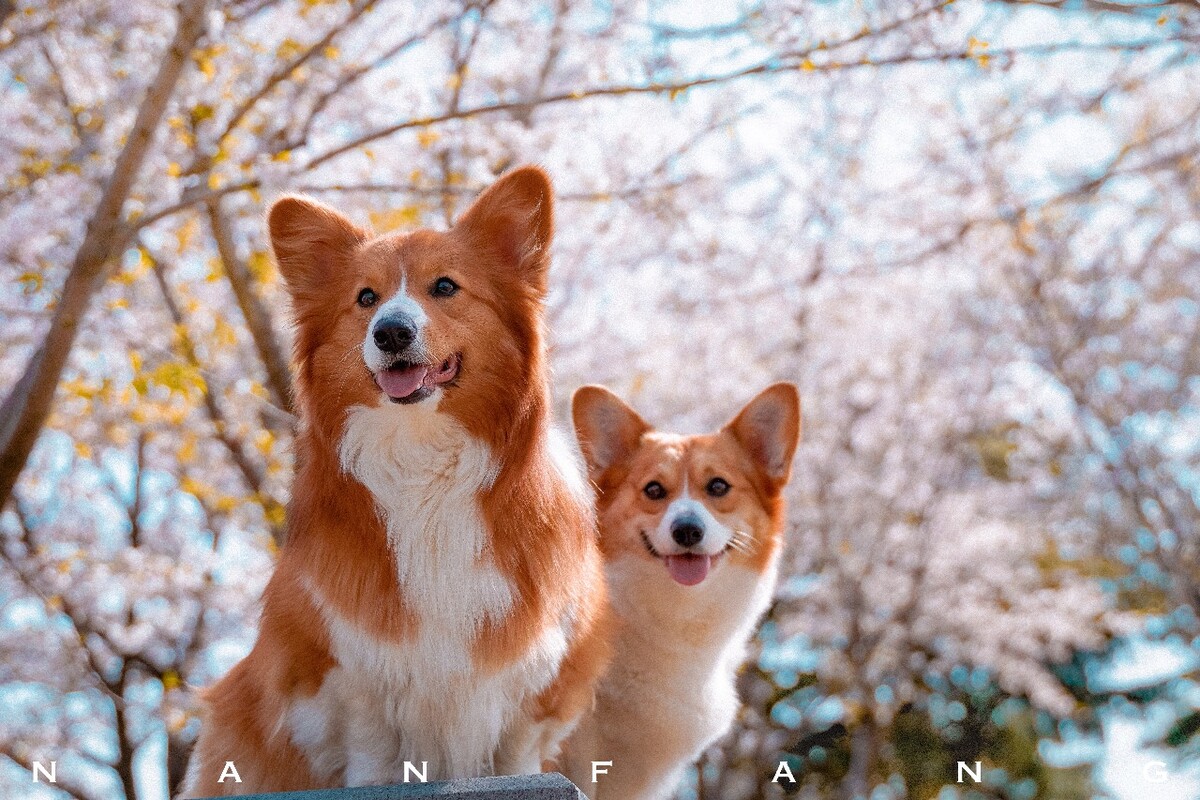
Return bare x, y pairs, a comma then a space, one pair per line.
968, 230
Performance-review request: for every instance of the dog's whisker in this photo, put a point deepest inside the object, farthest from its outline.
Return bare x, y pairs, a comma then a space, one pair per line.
741, 541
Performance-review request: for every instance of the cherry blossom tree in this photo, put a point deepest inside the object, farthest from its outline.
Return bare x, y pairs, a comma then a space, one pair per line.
967, 230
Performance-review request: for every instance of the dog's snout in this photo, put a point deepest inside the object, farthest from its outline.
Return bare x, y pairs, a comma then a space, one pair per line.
393, 335
687, 532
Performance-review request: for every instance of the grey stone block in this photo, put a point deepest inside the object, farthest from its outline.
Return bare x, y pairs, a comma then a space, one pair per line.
550, 786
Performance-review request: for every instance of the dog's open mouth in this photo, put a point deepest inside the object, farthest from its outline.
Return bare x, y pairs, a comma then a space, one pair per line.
406, 382
686, 569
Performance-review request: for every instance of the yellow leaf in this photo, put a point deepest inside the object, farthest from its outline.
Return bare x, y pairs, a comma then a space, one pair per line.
195, 488
200, 112
135, 361
185, 234
215, 180
288, 49
331, 52
282, 155
426, 137
264, 441
174, 170
807, 65
187, 452
170, 680
178, 377
54, 603
394, 219
31, 282
274, 512
120, 302
205, 65
261, 266
83, 449
80, 388
224, 334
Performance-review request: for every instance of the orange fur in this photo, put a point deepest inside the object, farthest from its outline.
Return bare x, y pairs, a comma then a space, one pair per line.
670, 689
540, 535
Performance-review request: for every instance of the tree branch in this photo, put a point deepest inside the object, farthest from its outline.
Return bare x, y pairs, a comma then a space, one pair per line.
251, 472
27, 406
26, 763
794, 62
258, 320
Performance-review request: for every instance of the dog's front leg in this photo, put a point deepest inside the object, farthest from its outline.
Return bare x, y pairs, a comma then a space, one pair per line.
372, 746
520, 749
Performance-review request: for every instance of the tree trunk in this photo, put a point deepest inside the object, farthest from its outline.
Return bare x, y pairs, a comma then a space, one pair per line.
258, 321
863, 742
27, 406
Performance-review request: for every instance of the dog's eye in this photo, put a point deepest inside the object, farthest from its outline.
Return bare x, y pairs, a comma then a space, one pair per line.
717, 487
654, 490
367, 298
444, 287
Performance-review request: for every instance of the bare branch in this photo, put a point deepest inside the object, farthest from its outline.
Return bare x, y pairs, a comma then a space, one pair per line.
357, 9
792, 63
258, 320
252, 473
67, 787
27, 406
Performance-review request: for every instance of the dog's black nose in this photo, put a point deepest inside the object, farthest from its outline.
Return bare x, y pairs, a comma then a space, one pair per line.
393, 334
686, 532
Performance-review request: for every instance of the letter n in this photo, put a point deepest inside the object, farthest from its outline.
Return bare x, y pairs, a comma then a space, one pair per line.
50, 774
421, 774
976, 774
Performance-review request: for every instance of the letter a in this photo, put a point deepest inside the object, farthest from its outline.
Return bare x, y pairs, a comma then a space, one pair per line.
783, 771
230, 771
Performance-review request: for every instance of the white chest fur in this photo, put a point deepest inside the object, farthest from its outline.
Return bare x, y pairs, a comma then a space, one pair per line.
422, 701
670, 691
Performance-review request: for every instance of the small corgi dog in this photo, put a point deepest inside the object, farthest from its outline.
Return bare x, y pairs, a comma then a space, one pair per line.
691, 528
440, 599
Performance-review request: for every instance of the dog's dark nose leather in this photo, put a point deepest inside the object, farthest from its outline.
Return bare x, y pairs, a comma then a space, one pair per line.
686, 532
393, 334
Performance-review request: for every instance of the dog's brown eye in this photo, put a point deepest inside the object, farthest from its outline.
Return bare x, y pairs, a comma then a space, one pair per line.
654, 490
717, 487
444, 287
367, 298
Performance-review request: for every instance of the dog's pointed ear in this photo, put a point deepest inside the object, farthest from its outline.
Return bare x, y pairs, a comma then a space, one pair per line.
768, 429
514, 220
309, 240
607, 428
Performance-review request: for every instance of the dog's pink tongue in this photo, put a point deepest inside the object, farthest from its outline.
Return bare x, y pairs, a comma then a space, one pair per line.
400, 383
689, 568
